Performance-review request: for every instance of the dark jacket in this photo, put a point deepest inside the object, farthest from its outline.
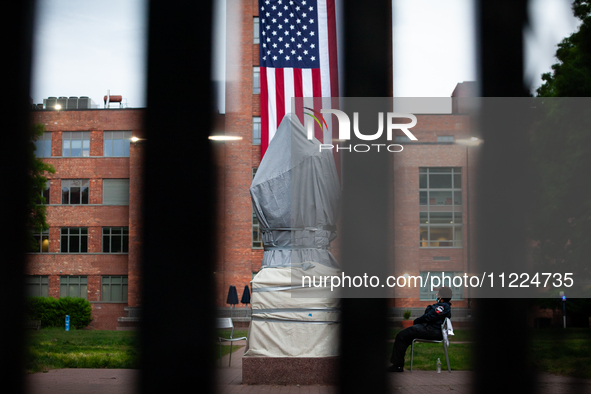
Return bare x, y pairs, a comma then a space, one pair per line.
435, 315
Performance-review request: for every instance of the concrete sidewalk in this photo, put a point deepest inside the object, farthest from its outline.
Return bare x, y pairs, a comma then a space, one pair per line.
116, 381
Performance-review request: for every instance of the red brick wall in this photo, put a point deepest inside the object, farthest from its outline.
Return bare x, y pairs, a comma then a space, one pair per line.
93, 264
105, 315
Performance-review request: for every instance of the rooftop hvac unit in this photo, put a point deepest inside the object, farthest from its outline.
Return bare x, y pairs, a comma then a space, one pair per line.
72, 103
84, 102
62, 102
50, 103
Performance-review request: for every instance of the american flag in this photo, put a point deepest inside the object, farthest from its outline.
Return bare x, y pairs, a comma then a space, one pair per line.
298, 58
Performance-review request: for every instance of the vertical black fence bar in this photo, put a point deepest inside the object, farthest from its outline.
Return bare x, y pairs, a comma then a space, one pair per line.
364, 222
501, 335
178, 246
16, 53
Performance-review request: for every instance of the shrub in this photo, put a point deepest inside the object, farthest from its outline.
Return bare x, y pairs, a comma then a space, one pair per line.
52, 312
406, 314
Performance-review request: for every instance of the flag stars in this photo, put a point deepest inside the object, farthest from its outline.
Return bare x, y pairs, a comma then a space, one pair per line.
274, 20
299, 33
280, 39
293, 52
286, 32
280, 26
304, 14
292, 27
287, 45
268, 14
298, 20
286, 20
313, 58
304, 27
311, 33
274, 57
274, 33
281, 51
274, 45
273, 8
312, 46
311, 8
300, 58
285, 8
286, 57
311, 21
299, 45
305, 39
280, 14
292, 39
304, 2
305, 52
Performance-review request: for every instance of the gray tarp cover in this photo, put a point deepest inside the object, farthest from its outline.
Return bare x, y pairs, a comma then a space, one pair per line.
296, 187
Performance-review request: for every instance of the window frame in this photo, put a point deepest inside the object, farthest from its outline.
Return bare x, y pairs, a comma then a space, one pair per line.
69, 236
125, 140
43, 284
256, 87
44, 141
124, 239
256, 30
39, 237
255, 225
456, 210
124, 283
256, 140
70, 191
68, 282
68, 136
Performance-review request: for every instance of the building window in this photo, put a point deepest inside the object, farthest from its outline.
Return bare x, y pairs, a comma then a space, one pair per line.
74, 286
255, 30
115, 239
401, 138
257, 236
116, 143
75, 191
256, 80
116, 191
45, 193
43, 145
426, 294
440, 207
42, 239
74, 240
76, 144
445, 138
37, 285
114, 288
256, 130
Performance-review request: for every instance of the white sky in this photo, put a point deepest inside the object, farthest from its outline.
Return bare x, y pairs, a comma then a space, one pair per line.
83, 48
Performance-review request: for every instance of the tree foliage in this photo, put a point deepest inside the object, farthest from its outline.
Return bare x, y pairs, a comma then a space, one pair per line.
560, 217
35, 200
571, 76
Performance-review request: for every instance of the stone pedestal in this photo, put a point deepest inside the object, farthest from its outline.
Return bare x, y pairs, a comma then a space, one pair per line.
289, 370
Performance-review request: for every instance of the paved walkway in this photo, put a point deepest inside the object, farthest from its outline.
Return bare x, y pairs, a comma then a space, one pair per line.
115, 381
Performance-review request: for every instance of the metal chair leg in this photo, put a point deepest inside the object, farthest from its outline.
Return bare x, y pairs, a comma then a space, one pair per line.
412, 351
230, 362
446, 357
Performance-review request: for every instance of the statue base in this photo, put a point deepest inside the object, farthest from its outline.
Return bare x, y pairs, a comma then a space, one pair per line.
290, 370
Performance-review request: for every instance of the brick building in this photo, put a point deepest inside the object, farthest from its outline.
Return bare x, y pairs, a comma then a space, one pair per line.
92, 247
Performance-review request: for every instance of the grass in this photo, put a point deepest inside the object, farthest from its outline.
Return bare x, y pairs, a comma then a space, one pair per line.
563, 352
53, 348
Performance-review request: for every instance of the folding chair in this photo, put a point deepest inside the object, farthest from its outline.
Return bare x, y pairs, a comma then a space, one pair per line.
226, 322
444, 326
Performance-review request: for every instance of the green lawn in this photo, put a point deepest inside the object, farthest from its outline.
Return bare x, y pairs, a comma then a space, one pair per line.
563, 352
53, 348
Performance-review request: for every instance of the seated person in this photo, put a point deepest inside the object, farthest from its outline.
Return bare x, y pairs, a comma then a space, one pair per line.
427, 326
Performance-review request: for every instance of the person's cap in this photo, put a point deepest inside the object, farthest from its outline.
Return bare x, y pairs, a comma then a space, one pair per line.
444, 292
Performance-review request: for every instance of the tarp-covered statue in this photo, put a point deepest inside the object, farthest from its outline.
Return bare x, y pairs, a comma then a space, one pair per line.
295, 194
